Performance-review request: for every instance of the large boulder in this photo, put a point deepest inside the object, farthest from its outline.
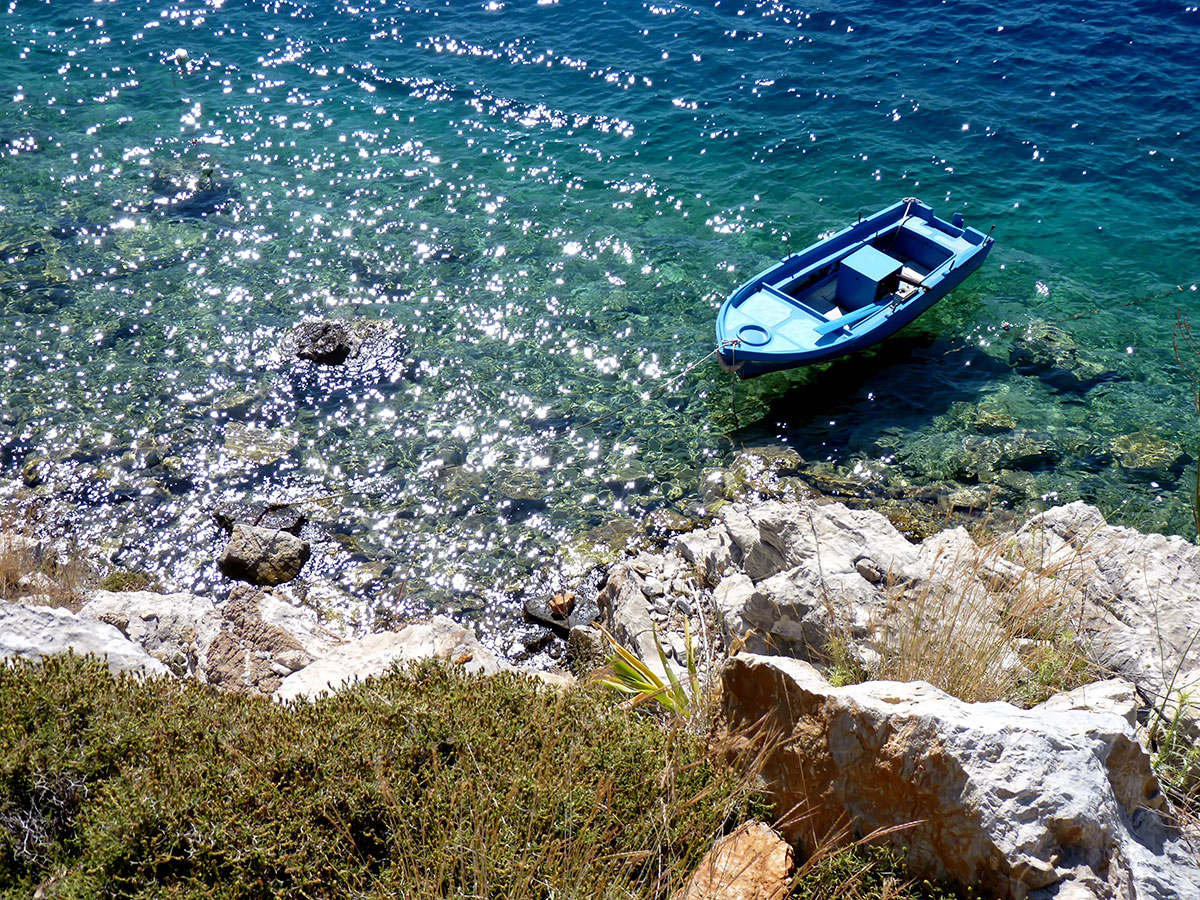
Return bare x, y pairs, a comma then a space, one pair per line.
805, 577
263, 556
263, 640
1016, 803
786, 577
440, 638
248, 643
32, 632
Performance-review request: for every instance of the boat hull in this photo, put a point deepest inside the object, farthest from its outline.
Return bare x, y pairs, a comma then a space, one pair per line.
847, 292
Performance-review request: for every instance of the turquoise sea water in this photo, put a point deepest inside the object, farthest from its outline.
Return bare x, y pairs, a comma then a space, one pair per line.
545, 203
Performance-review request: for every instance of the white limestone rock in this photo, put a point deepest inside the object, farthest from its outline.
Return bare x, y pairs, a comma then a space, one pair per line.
795, 573
176, 629
1140, 592
374, 654
33, 632
1018, 803
627, 610
1115, 696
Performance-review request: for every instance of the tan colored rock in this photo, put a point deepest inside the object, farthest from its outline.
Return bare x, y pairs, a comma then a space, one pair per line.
253, 654
752, 863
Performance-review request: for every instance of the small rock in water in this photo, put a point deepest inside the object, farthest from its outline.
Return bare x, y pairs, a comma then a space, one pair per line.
563, 611
35, 471
1144, 451
263, 556
260, 446
562, 604
327, 343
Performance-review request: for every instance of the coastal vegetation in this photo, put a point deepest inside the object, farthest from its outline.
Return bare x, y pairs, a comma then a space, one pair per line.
431, 782
425, 783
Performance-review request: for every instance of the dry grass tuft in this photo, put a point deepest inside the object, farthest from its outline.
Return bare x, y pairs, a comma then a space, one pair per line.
33, 571
982, 627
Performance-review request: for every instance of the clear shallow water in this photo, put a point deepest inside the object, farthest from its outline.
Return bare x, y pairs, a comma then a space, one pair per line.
543, 205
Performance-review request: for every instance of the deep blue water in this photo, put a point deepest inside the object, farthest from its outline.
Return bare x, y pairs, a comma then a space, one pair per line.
543, 203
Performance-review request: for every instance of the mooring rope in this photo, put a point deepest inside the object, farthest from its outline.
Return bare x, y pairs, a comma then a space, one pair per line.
903, 219
658, 390
732, 368
1192, 286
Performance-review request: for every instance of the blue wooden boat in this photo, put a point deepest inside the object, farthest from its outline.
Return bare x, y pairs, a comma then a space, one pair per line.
848, 291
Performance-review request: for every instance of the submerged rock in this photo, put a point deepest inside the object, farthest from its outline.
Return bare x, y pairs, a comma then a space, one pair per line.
263, 556
991, 416
1144, 451
15, 139
321, 341
260, 446
758, 470
1051, 354
563, 611
281, 516
185, 191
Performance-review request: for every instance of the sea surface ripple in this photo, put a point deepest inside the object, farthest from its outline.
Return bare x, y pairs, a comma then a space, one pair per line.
531, 209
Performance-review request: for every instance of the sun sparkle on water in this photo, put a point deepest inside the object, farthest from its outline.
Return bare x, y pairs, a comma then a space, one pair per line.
538, 207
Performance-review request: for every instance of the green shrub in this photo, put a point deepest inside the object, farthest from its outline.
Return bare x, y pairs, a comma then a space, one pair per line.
425, 783
867, 872
129, 581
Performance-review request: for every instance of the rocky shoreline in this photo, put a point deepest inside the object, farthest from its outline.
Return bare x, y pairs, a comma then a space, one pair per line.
786, 592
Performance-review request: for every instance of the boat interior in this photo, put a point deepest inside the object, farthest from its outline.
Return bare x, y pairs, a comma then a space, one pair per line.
902, 257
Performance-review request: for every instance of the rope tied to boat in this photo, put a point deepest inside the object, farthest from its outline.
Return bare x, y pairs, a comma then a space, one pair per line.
658, 390
731, 344
909, 201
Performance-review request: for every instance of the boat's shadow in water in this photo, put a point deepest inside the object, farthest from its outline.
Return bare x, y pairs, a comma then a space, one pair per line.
843, 409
